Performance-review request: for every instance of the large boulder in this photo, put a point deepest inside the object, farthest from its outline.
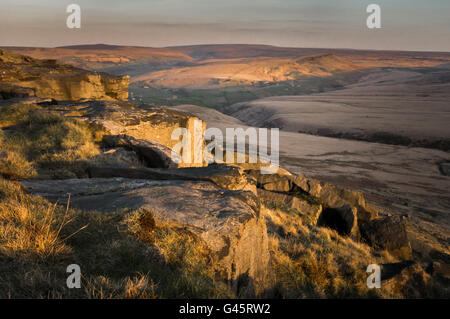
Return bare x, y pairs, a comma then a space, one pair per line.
279, 182
335, 197
310, 211
227, 221
154, 124
342, 203
388, 233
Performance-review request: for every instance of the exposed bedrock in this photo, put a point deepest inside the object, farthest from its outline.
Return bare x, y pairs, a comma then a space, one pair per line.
22, 76
228, 221
221, 205
388, 233
343, 210
153, 124
321, 204
325, 194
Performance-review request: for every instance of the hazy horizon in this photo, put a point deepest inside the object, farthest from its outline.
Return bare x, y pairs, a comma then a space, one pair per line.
214, 44
406, 25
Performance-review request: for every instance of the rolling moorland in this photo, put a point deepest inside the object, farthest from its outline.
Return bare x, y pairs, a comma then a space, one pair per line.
364, 178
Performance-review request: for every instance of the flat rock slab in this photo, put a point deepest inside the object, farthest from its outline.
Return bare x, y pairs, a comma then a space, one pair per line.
228, 221
229, 177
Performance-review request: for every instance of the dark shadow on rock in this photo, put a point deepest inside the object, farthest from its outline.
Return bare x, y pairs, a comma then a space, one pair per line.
151, 154
335, 219
391, 270
243, 286
388, 233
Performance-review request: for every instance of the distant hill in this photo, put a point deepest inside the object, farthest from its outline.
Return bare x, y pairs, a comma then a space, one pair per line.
104, 55
399, 106
248, 71
101, 56
99, 46
230, 51
222, 65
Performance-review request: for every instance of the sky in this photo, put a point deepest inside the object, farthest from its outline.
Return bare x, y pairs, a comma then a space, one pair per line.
422, 25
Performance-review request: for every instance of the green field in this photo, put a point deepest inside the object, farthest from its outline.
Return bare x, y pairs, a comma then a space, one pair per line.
220, 98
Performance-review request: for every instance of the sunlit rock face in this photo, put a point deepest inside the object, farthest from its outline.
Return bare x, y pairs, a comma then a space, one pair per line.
147, 123
22, 76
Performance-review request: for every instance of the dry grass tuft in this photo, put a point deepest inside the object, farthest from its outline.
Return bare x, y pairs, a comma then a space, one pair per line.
39, 240
29, 228
315, 262
177, 246
36, 141
137, 287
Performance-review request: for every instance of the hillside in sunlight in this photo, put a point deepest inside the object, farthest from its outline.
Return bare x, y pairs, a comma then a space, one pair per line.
247, 71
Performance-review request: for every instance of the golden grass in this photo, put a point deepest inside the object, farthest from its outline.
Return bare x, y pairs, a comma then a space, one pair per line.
121, 255
13, 164
29, 228
35, 141
183, 251
128, 254
316, 262
137, 287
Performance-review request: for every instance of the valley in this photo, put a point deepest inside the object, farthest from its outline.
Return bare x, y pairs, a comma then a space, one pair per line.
397, 179
359, 119
364, 138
